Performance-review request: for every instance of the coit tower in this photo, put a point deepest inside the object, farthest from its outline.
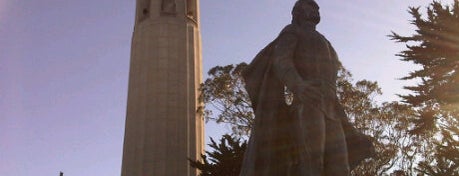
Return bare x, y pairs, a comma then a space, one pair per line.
163, 127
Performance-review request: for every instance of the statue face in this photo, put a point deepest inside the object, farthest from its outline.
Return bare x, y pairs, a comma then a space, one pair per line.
308, 10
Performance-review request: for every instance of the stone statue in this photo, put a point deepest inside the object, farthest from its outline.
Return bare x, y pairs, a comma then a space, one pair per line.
311, 136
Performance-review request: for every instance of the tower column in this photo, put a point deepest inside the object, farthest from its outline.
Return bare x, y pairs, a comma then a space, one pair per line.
163, 128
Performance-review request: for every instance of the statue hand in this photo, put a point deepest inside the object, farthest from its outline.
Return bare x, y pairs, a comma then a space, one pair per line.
308, 92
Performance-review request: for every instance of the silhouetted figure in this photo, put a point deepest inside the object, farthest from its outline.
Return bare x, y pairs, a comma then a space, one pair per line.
310, 136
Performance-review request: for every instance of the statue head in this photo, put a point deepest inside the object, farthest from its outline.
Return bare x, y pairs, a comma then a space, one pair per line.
306, 11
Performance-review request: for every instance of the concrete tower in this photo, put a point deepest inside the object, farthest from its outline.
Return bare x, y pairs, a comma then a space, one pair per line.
163, 128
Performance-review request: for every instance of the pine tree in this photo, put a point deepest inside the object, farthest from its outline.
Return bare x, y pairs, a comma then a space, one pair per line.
435, 47
225, 159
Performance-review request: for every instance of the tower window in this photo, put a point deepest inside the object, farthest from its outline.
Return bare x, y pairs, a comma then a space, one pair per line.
168, 7
191, 9
145, 11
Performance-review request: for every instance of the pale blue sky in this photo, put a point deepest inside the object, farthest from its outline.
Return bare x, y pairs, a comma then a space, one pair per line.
64, 69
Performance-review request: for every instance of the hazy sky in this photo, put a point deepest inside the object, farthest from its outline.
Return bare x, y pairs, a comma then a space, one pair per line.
64, 69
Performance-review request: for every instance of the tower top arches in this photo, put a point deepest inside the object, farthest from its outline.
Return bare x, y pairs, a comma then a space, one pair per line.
153, 9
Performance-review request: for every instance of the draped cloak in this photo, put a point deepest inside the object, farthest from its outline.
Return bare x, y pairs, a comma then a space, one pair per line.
274, 146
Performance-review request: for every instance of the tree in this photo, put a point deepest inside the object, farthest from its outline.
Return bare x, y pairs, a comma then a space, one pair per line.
225, 159
435, 47
385, 123
224, 93
446, 157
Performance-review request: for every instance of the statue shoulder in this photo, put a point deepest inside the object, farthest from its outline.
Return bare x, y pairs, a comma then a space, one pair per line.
288, 36
289, 29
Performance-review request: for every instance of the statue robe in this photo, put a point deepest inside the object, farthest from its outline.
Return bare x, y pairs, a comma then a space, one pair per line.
274, 146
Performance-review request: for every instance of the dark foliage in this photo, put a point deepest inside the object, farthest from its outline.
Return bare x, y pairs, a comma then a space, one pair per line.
225, 159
